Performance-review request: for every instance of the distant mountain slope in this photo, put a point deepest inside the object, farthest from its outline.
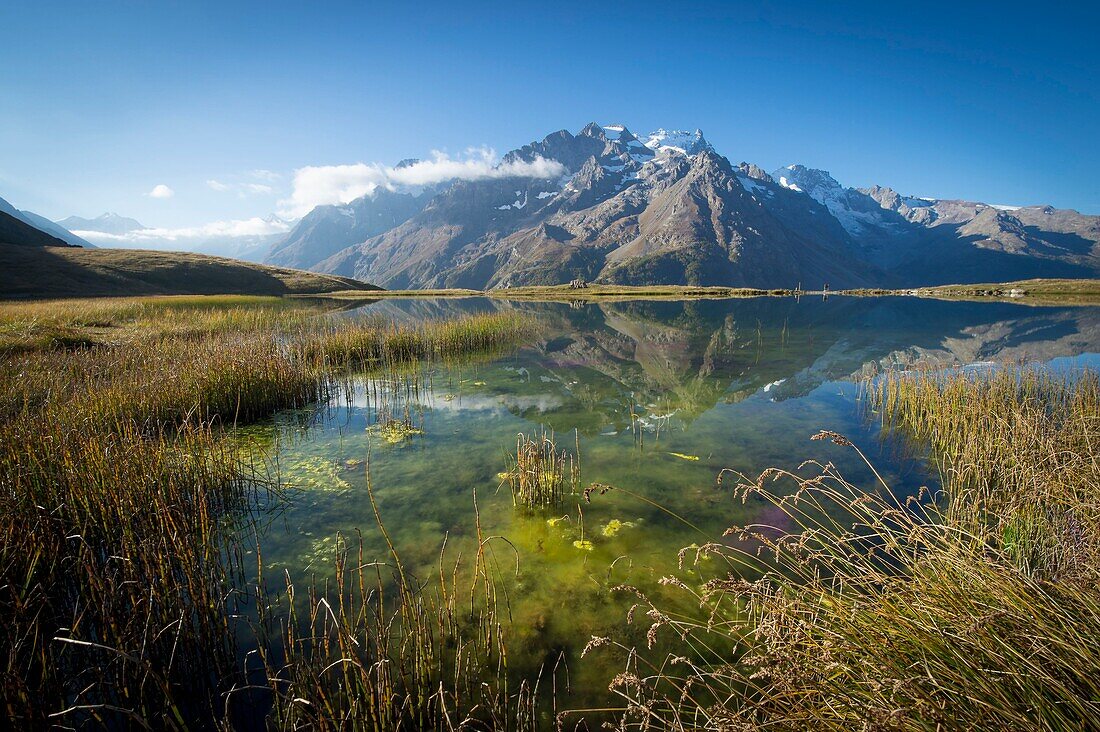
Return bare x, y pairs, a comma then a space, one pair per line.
108, 223
249, 239
327, 229
18, 233
43, 224
930, 241
62, 271
667, 208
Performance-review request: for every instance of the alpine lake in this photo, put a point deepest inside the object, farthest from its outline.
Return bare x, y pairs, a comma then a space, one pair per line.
654, 398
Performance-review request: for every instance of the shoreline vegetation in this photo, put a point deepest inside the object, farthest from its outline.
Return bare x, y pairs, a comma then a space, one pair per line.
1038, 291
974, 608
122, 510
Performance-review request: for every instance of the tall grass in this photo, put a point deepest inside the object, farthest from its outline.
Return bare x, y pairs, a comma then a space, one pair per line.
115, 564
977, 608
119, 504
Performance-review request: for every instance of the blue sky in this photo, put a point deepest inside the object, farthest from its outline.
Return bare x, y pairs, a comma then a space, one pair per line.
102, 101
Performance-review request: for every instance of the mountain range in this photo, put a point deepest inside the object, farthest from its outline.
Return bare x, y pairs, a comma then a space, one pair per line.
662, 208
668, 208
41, 223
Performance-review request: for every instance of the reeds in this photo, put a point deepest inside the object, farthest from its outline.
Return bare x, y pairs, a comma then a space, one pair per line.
120, 507
539, 475
977, 608
378, 649
341, 346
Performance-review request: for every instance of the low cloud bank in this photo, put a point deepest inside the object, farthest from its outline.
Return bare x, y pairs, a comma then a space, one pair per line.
333, 184
253, 227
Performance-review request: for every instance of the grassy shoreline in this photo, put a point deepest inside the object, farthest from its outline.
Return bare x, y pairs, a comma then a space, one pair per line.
1039, 291
1026, 292
120, 504
119, 566
565, 293
977, 608
31, 273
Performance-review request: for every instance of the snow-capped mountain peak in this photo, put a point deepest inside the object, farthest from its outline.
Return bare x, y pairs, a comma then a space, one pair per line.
858, 212
818, 184
613, 132
688, 143
610, 133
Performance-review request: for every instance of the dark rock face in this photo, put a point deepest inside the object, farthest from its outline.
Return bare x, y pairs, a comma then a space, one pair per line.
672, 210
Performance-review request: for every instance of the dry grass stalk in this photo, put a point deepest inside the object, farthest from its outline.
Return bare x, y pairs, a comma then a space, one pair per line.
977, 608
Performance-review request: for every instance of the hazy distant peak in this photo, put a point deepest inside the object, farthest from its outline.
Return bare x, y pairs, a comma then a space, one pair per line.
43, 224
107, 223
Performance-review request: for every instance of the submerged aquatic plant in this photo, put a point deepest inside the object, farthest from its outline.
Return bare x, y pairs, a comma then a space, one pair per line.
539, 475
615, 526
395, 431
380, 649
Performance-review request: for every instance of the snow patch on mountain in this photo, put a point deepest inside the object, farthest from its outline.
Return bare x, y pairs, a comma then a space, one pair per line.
688, 143
518, 204
857, 212
754, 187
612, 132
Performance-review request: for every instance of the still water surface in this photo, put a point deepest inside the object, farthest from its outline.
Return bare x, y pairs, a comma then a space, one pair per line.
660, 397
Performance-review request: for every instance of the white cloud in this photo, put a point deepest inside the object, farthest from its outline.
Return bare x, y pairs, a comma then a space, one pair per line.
161, 191
242, 189
269, 175
252, 227
328, 184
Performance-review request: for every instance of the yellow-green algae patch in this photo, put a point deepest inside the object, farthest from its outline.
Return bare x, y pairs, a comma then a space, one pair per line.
314, 473
614, 526
394, 431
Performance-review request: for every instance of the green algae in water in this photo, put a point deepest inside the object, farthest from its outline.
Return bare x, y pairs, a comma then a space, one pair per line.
315, 474
614, 526
703, 368
394, 431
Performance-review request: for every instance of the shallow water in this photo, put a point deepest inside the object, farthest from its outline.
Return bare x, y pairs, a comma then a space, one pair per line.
660, 397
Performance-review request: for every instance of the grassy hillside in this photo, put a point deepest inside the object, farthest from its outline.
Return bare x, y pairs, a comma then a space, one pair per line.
27, 272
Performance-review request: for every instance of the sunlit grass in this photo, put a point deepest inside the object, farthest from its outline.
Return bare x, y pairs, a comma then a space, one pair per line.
975, 609
119, 500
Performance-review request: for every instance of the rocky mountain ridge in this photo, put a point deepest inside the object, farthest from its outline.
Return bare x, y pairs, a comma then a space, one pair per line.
668, 208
